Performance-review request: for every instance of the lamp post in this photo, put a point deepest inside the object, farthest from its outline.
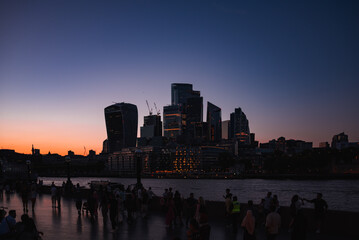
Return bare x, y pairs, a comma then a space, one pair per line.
68, 161
28, 163
138, 155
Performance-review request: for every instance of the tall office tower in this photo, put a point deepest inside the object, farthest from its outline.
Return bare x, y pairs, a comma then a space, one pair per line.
225, 127
152, 126
172, 121
189, 106
339, 139
121, 124
239, 127
194, 114
214, 121
180, 92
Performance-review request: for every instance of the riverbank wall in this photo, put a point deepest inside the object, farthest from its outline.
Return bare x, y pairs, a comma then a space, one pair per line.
337, 223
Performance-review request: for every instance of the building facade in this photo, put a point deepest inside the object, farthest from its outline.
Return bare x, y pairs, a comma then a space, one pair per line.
239, 127
121, 125
214, 121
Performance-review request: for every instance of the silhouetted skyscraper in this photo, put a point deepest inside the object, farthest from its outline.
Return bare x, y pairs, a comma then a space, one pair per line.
172, 121
121, 125
152, 126
214, 121
180, 92
239, 127
186, 109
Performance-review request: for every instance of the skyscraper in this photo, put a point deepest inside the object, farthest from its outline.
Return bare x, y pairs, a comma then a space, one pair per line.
152, 126
214, 121
180, 92
121, 124
185, 110
172, 121
239, 127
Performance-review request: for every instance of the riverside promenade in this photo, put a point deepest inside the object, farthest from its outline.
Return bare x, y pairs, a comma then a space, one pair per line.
64, 223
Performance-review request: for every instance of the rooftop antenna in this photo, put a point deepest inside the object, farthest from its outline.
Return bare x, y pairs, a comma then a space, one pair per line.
149, 110
157, 111
84, 151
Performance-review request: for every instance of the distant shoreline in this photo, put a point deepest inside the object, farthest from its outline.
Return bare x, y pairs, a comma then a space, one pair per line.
229, 177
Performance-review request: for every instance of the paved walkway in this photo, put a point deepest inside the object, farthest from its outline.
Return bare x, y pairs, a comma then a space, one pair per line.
65, 223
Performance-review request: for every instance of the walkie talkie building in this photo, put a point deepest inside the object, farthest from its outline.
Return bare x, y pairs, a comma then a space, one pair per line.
121, 124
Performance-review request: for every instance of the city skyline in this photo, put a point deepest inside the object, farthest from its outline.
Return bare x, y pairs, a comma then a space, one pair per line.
293, 68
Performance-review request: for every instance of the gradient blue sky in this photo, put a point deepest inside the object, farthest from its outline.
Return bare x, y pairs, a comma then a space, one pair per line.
292, 66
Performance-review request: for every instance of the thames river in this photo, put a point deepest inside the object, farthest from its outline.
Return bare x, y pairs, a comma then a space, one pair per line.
339, 194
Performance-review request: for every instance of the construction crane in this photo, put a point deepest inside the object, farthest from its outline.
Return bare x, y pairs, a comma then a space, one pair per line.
157, 111
149, 110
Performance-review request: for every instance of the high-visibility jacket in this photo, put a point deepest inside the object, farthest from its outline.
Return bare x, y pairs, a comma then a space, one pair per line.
236, 207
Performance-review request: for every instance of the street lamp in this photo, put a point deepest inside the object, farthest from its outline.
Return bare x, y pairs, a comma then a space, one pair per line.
68, 161
138, 155
28, 163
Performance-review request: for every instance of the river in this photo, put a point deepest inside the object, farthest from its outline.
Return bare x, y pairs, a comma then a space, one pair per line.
339, 194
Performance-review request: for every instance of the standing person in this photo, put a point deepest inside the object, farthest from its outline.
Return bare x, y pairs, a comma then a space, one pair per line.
190, 208
78, 199
228, 193
170, 216
53, 194
267, 203
295, 205
33, 196
235, 213
260, 213
7, 226
25, 192
249, 224
178, 207
95, 203
200, 208
145, 202
275, 203
104, 206
228, 209
320, 208
113, 211
273, 222
58, 197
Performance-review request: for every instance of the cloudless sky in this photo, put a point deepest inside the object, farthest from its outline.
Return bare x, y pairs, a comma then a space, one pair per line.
292, 66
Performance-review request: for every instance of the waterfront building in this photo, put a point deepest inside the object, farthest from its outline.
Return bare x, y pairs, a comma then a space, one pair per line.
121, 125
214, 121
187, 159
239, 127
152, 159
287, 146
324, 145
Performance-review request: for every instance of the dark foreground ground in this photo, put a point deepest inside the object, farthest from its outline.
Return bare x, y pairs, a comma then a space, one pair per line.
65, 223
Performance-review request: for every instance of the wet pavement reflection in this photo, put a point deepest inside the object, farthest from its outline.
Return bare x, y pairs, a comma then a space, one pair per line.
65, 223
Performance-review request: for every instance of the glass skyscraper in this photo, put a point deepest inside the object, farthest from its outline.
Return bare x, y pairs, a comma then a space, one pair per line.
214, 121
121, 124
239, 127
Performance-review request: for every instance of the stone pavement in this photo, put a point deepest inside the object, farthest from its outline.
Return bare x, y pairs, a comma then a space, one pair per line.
65, 223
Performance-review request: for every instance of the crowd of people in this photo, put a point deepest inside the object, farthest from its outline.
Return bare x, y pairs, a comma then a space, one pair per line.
120, 205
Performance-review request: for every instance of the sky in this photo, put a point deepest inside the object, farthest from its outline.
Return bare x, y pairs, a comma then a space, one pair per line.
292, 66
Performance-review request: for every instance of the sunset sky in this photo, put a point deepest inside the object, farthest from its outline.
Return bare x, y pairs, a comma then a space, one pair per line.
292, 66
